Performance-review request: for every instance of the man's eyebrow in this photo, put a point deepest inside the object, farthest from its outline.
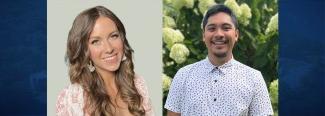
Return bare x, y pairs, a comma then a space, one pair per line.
210, 25
223, 24
226, 24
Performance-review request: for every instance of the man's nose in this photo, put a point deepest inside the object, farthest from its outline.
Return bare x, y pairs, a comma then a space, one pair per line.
218, 33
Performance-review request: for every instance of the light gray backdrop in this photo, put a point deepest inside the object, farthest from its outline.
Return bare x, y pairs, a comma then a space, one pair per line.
142, 20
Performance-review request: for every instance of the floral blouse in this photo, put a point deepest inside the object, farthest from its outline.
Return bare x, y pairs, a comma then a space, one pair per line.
71, 100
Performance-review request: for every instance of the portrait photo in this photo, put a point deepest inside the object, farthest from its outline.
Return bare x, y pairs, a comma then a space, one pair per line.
88, 41
219, 53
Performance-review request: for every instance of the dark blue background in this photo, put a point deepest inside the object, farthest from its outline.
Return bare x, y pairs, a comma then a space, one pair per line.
302, 57
22, 57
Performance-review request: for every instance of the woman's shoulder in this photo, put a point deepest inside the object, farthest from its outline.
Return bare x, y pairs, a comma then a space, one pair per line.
71, 97
138, 80
71, 89
142, 89
140, 84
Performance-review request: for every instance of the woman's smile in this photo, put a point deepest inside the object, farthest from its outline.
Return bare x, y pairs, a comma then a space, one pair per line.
110, 58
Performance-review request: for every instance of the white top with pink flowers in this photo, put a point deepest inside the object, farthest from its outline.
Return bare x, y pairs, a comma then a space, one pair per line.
71, 100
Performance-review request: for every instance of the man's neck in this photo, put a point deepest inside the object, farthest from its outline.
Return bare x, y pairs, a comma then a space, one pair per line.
218, 61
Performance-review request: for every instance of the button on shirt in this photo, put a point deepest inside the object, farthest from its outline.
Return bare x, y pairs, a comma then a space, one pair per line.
232, 89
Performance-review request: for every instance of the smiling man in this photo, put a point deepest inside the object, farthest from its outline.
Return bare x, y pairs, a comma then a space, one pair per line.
218, 85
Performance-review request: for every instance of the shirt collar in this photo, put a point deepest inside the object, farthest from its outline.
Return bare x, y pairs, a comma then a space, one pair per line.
212, 67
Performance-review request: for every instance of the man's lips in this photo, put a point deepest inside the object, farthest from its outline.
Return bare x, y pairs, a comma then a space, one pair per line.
219, 42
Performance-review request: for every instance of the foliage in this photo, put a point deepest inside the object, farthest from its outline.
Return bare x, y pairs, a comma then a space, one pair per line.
257, 46
274, 94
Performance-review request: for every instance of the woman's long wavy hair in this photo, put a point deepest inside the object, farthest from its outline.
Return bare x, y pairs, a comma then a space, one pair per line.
98, 101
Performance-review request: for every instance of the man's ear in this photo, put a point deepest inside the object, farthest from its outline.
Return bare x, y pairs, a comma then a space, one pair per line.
203, 36
236, 35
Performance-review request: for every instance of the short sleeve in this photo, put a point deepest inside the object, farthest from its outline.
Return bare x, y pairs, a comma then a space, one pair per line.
143, 90
176, 91
70, 101
261, 103
61, 106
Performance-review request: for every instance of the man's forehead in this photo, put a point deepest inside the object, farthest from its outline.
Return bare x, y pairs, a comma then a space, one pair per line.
220, 18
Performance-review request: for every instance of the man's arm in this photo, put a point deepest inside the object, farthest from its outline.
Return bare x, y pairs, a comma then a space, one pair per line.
261, 103
174, 99
170, 113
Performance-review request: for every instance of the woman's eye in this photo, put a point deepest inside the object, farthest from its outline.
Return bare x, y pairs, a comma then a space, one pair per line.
115, 36
95, 42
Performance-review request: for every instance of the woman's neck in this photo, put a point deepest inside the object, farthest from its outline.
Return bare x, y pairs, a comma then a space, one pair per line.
112, 91
109, 81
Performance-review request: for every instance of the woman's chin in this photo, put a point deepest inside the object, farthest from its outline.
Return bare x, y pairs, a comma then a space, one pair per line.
112, 68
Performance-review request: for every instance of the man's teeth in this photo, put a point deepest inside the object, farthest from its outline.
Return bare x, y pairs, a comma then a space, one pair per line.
219, 42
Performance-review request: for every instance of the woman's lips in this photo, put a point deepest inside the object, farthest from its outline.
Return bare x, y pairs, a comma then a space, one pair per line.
111, 58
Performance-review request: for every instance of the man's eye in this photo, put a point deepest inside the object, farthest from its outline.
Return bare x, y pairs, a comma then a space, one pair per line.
211, 29
227, 28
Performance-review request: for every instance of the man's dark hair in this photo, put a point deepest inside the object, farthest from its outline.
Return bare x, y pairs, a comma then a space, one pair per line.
216, 9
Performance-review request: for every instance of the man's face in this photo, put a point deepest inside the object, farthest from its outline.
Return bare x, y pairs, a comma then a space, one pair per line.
220, 35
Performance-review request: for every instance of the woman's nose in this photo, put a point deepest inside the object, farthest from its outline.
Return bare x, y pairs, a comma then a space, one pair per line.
108, 48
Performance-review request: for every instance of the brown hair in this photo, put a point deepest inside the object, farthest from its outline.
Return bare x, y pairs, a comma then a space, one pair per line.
77, 56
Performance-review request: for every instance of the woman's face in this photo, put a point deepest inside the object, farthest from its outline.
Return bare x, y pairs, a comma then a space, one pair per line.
105, 45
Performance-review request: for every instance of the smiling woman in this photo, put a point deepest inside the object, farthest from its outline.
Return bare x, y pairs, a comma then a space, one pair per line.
101, 69
105, 46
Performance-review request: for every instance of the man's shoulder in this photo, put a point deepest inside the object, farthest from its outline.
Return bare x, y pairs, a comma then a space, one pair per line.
246, 68
190, 67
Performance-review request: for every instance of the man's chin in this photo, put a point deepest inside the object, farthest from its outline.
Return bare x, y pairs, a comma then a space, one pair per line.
220, 55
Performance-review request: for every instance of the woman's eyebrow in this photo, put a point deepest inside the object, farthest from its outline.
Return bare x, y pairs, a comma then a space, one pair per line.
95, 37
116, 31
98, 37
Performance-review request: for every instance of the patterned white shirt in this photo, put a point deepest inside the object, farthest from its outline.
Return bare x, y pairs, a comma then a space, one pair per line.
232, 89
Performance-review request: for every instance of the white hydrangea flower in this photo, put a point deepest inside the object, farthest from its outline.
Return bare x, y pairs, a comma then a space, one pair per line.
245, 15
169, 63
178, 4
242, 12
179, 53
168, 22
189, 3
166, 82
171, 36
273, 24
167, 1
205, 4
232, 4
